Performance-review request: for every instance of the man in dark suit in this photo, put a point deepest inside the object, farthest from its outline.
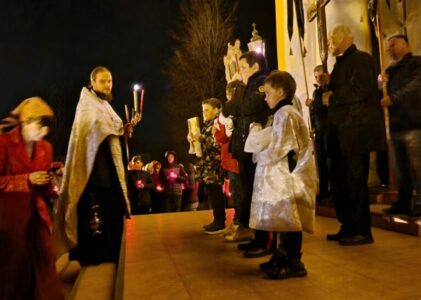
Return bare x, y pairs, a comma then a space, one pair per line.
404, 102
355, 128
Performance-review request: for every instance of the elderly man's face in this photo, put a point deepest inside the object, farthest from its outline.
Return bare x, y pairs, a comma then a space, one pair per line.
397, 48
335, 43
103, 83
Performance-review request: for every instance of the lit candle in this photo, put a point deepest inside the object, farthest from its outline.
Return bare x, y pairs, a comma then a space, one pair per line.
141, 99
135, 97
126, 110
56, 189
139, 184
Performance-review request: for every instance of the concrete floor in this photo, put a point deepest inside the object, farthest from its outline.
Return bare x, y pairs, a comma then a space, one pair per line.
169, 257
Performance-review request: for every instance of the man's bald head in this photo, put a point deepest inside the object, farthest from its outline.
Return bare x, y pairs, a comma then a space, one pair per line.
340, 38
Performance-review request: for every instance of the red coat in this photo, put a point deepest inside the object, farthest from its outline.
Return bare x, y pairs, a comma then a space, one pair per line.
27, 265
227, 161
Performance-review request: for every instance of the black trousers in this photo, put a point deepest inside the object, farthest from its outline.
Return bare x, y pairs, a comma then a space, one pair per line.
217, 200
349, 176
322, 165
247, 170
291, 242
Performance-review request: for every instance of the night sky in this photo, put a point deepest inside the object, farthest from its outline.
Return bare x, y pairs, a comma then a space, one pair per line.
48, 48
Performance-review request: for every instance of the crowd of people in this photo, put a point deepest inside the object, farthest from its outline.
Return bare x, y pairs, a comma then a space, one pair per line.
269, 144
161, 188
260, 132
256, 137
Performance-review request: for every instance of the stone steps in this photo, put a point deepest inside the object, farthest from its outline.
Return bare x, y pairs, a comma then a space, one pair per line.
401, 224
382, 195
95, 280
99, 282
68, 272
80, 283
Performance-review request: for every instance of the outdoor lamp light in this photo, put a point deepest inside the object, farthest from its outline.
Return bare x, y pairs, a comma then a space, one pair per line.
256, 44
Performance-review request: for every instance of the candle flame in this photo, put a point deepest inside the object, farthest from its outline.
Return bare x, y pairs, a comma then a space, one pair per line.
136, 87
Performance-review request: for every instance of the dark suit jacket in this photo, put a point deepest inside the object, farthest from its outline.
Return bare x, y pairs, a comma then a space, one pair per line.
251, 107
355, 118
404, 88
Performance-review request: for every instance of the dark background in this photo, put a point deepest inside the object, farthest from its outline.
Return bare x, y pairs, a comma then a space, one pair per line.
48, 48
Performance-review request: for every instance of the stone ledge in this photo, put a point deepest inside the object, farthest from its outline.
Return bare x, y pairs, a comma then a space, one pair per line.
95, 282
401, 224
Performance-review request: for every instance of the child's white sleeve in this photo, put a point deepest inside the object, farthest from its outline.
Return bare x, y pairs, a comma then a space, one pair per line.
258, 139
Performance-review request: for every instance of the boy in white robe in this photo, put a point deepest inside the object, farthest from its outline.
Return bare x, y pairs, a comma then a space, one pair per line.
285, 180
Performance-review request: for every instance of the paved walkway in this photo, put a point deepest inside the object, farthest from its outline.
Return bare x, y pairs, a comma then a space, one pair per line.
169, 257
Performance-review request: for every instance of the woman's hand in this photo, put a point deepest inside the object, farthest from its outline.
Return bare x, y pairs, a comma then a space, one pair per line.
39, 178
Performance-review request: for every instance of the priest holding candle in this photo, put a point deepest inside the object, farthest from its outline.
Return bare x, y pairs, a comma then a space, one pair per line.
94, 182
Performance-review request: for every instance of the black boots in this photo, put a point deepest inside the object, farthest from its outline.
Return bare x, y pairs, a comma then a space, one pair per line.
288, 268
293, 268
280, 266
278, 257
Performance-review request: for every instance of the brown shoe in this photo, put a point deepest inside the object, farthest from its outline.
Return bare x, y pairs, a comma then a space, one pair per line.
231, 229
242, 234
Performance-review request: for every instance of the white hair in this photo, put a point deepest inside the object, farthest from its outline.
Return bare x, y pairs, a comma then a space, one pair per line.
344, 30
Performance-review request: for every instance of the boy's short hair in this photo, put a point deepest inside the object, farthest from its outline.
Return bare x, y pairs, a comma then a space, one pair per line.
214, 102
318, 68
282, 79
253, 57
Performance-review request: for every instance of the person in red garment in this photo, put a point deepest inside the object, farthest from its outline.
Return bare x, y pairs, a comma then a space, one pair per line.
27, 264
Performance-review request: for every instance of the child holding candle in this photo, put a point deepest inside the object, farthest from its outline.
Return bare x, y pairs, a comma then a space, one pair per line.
209, 168
173, 177
140, 185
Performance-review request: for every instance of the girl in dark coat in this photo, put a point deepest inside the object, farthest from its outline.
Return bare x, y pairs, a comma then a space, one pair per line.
173, 177
140, 185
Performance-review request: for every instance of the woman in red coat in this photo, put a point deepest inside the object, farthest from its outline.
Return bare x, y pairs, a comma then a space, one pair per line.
27, 264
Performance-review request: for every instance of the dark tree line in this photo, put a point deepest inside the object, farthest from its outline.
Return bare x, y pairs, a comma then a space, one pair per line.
196, 69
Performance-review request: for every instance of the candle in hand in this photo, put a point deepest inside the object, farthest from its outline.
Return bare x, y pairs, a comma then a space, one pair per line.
126, 110
136, 88
141, 99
